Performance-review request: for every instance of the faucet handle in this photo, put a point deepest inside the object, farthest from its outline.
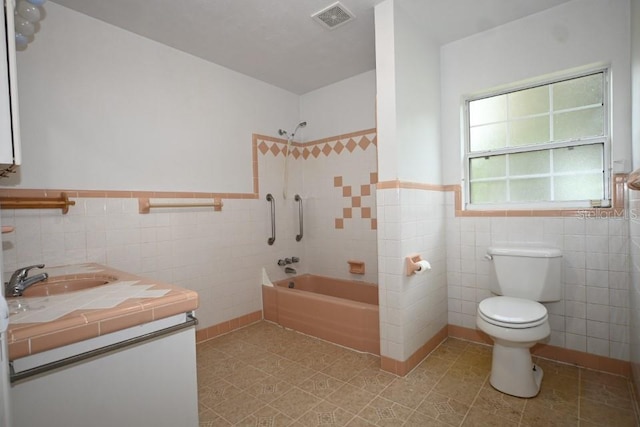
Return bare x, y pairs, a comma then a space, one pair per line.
288, 261
282, 262
21, 273
295, 259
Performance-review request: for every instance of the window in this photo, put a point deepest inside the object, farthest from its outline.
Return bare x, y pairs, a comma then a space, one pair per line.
541, 146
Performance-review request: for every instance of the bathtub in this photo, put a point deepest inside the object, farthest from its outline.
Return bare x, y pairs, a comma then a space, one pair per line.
343, 312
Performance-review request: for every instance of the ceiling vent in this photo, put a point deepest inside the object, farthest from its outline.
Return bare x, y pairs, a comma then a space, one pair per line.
333, 16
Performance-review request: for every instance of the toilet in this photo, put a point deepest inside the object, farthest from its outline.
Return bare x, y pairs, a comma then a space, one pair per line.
515, 320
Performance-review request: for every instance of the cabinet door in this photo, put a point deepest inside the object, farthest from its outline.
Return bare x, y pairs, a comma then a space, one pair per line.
9, 124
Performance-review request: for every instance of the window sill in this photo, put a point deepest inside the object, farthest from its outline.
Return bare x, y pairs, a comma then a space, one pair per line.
616, 211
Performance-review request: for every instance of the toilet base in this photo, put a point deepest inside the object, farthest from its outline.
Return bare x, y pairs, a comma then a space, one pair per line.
513, 372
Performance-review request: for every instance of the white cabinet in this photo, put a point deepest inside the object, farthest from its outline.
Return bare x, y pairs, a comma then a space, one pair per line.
9, 123
152, 383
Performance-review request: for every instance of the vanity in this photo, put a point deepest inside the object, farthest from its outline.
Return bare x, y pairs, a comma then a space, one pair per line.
92, 345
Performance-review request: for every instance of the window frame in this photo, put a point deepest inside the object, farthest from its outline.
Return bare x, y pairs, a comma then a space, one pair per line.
605, 139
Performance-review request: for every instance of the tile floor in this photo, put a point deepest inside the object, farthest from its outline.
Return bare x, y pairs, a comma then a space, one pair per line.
264, 375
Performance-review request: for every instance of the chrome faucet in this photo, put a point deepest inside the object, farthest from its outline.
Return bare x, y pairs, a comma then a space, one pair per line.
290, 270
19, 280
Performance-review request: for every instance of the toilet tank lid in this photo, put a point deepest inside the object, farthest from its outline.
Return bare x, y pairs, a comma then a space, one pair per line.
525, 252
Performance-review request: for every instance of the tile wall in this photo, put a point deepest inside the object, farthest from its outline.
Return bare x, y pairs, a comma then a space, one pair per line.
218, 254
594, 315
200, 250
412, 309
336, 179
634, 285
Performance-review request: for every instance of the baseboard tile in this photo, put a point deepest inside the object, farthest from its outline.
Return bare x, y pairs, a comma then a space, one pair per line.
564, 355
402, 368
228, 326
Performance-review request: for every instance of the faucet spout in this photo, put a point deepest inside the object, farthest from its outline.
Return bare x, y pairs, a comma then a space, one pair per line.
19, 280
290, 270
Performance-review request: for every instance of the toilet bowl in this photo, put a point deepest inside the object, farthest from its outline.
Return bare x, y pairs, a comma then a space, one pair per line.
515, 320
515, 325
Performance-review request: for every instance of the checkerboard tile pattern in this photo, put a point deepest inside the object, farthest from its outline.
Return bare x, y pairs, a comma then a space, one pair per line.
361, 203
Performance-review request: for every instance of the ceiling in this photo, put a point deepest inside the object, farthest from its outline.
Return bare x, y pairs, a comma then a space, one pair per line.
277, 42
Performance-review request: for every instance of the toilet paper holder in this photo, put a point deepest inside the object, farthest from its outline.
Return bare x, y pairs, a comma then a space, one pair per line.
413, 265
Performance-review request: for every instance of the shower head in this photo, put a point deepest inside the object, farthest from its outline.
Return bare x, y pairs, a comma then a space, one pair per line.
300, 125
284, 132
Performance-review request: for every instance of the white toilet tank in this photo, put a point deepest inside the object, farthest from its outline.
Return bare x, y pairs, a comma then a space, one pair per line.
530, 273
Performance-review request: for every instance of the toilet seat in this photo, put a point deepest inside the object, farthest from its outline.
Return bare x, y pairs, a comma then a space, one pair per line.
512, 313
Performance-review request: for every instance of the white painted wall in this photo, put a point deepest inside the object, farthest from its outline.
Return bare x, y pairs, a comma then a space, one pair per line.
388, 151
408, 87
574, 34
417, 100
103, 108
340, 108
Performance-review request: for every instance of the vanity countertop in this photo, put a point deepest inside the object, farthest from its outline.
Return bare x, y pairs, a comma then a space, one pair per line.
43, 323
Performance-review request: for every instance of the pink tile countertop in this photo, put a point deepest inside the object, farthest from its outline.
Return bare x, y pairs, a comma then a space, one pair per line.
41, 323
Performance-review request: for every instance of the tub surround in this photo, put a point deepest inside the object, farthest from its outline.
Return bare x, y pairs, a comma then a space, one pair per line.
37, 324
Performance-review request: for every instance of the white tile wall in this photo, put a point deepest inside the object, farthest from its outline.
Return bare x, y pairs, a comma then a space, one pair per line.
634, 286
328, 248
218, 254
213, 253
594, 313
412, 309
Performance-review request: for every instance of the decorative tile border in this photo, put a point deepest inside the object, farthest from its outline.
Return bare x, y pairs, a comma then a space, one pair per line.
350, 142
276, 146
616, 211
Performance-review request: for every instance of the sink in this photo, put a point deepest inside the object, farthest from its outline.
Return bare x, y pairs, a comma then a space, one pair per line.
65, 284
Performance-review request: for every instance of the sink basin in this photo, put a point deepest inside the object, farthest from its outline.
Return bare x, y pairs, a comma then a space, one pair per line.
65, 284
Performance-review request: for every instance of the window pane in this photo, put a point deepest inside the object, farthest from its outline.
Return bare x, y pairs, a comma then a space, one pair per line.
488, 167
578, 124
488, 137
528, 102
530, 190
579, 187
578, 159
522, 125
529, 131
488, 192
578, 92
535, 162
488, 110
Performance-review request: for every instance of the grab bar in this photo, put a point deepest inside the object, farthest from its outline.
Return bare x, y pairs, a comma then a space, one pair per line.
298, 199
272, 239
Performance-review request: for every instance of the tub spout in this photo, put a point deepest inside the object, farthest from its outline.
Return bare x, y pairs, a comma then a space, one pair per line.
290, 270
